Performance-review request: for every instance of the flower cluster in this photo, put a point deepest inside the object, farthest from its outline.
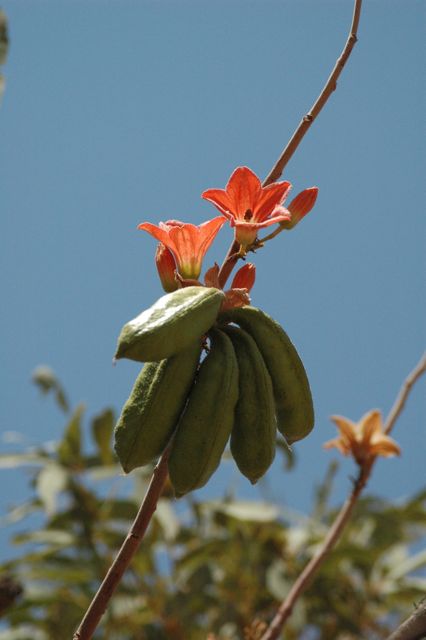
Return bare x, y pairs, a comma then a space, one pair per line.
248, 207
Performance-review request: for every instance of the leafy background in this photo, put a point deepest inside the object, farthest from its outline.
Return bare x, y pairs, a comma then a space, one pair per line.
221, 565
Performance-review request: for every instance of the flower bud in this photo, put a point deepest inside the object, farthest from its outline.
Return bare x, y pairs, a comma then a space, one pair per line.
245, 277
300, 206
166, 266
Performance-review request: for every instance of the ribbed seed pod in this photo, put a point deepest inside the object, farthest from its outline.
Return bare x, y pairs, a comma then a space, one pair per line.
152, 411
254, 433
170, 325
206, 423
293, 399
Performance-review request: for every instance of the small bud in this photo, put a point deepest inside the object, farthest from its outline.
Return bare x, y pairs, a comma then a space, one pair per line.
300, 206
166, 266
245, 277
211, 278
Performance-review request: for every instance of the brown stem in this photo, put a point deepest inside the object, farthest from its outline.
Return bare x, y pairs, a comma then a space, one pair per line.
414, 628
313, 565
328, 89
229, 263
300, 132
271, 235
342, 518
404, 393
128, 549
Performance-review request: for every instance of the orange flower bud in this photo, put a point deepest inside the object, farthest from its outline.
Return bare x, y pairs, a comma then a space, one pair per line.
245, 277
166, 268
300, 206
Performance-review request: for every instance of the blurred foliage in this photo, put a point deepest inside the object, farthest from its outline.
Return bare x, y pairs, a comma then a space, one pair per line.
4, 45
212, 569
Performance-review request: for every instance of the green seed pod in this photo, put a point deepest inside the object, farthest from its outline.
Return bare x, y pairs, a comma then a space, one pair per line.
206, 423
254, 433
152, 411
170, 325
293, 399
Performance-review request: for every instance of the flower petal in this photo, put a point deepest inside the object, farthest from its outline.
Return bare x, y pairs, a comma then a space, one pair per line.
159, 233
269, 198
370, 424
347, 429
243, 189
219, 198
301, 205
245, 277
338, 444
282, 215
385, 447
211, 277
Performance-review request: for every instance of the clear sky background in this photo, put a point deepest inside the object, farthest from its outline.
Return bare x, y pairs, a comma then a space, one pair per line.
117, 112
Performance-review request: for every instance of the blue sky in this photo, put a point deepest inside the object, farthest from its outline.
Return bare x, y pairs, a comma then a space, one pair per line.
120, 112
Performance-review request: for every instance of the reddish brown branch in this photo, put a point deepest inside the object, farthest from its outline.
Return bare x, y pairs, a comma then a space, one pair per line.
128, 549
229, 263
342, 518
328, 89
414, 628
403, 394
330, 86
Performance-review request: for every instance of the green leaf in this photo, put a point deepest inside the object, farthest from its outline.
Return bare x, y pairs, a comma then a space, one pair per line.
247, 511
102, 428
44, 377
69, 449
25, 632
46, 536
4, 37
277, 583
51, 480
19, 513
167, 519
9, 461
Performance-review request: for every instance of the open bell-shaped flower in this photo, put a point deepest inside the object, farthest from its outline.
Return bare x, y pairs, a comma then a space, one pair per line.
249, 206
187, 242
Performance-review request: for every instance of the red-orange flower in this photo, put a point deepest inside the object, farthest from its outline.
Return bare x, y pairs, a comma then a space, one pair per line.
364, 439
248, 205
187, 242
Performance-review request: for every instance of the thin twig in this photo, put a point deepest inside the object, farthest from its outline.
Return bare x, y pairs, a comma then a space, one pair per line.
275, 173
316, 561
342, 518
403, 394
328, 89
128, 549
414, 628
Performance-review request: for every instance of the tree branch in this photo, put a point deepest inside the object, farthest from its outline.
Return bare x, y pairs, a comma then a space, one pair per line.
230, 261
128, 549
404, 393
341, 520
276, 172
414, 628
328, 89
